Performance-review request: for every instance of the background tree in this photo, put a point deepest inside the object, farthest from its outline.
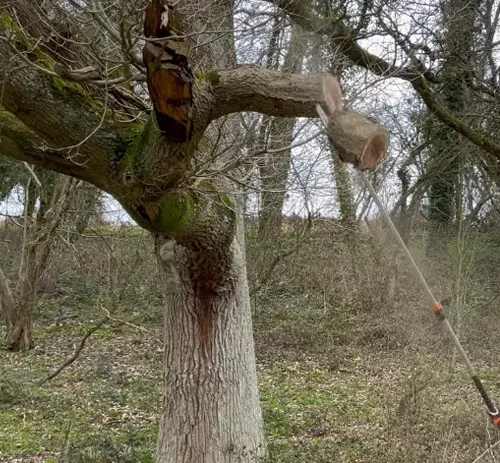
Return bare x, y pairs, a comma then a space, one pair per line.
274, 166
54, 194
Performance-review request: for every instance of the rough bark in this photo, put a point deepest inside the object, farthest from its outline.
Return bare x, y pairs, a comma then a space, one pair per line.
447, 146
211, 411
274, 167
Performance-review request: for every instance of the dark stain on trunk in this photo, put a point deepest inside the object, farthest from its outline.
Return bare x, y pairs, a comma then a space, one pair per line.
206, 300
213, 285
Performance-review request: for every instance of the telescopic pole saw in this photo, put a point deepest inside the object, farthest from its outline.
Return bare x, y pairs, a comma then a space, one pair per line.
438, 308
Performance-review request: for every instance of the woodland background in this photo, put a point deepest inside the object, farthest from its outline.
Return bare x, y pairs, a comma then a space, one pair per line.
352, 364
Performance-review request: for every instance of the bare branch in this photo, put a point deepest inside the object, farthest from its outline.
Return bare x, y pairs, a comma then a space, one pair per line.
33, 175
345, 39
77, 352
249, 88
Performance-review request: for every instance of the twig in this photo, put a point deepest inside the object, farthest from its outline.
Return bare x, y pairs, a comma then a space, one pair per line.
76, 354
486, 451
32, 172
131, 325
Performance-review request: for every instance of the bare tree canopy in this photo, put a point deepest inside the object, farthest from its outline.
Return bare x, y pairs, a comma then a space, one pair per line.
144, 101
412, 56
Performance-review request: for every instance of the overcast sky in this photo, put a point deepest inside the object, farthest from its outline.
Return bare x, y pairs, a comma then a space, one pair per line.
311, 187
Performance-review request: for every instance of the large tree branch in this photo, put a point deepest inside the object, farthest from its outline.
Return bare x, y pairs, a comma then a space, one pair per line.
19, 142
162, 165
248, 88
480, 139
342, 37
152, 176
77, 130
346, 41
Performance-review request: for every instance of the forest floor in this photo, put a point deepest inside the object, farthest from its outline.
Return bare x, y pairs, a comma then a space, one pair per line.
336, 385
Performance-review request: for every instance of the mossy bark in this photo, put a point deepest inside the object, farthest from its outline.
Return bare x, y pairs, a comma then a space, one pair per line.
448, 150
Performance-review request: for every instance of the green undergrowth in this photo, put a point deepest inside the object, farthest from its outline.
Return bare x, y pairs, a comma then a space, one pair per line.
101, 408
104, 406
347, 373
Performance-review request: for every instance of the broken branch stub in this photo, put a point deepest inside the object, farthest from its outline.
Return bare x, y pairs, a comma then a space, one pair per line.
169, 74
356, 140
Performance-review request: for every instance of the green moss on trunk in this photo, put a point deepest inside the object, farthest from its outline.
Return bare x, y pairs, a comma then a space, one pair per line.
134, 138
177, 209
210, 76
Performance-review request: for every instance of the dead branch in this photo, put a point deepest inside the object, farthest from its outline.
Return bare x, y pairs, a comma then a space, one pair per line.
77, 352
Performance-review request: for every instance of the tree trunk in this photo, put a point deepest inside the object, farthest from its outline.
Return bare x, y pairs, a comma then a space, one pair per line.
18, 336
404, 221
344, 193
211, 410
275, 166
442, 200
274, 175
459, 18
39, 245
341, 176
89, 198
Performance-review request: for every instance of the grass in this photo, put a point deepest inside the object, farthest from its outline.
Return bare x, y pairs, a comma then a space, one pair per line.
346, 374
104, 405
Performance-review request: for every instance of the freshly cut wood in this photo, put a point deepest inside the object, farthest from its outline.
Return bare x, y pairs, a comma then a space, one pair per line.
356, 140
